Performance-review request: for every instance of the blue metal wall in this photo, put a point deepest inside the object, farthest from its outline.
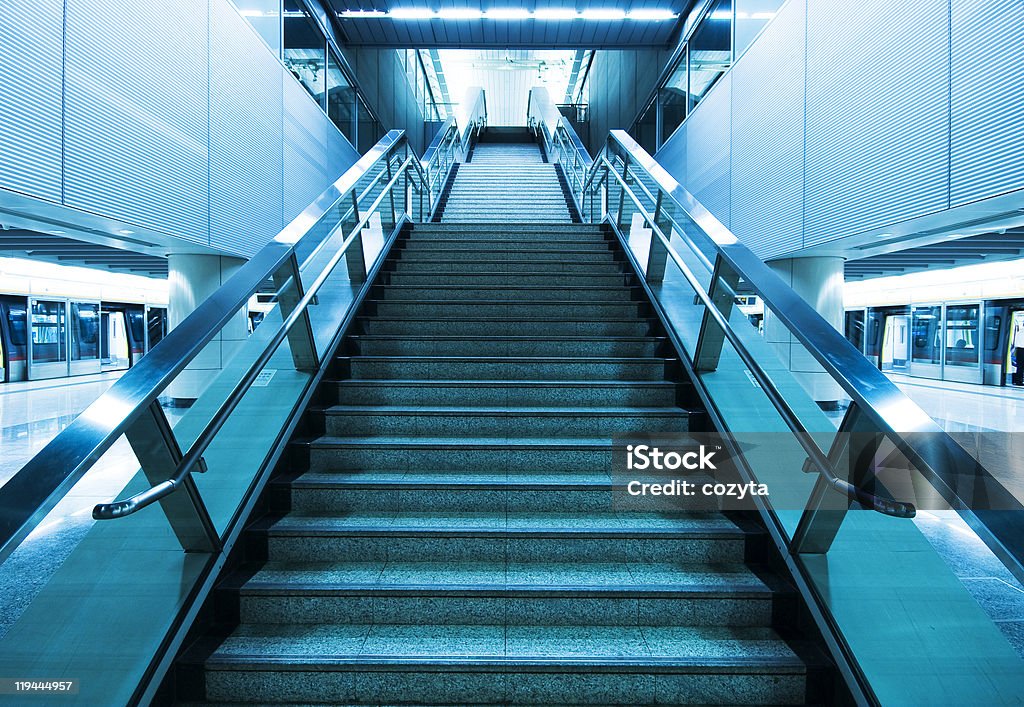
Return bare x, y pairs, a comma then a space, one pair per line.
847, 117
172, 116
31, 34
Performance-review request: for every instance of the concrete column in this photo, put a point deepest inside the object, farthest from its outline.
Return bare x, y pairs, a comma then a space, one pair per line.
192, 278
819, 280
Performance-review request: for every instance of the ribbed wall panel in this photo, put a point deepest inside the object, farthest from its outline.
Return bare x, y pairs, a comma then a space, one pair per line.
340, 156
672, 155
136, 112
987, 139
30, 96
877, 114
246, 160
707, 150
768, 137
305, 153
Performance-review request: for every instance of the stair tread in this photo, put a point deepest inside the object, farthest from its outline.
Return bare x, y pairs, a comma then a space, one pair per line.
473, 337
632, 525
445, 478
462, 442
504, 382
503, 411
502, 577
700, 648
519, 359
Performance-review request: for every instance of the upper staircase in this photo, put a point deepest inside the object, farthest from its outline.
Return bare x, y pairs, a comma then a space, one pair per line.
507, 182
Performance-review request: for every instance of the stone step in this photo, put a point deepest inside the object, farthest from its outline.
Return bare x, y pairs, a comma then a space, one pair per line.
497, 422
512, 594
500, 293
447, 491
524, 254
463, 326
421, 264
504, 537
439, 368
483, 245
509, 280
388, 664
490, 454
422, 309
435, 345
511, 394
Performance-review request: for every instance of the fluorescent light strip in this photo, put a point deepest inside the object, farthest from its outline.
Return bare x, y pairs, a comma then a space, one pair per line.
512, 13
507, 13
460, 13
554, 13
603, 15
651, 15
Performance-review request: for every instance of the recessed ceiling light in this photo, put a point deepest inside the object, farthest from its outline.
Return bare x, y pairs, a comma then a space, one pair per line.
363, 13
125, 232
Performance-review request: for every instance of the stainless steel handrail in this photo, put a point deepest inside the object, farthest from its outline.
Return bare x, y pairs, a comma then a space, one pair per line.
804, 438
561, 143
34, 491
118, 509
949, 468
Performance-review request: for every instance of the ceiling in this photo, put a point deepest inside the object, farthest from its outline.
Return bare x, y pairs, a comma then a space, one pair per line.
18, 243
512, 33
983, 248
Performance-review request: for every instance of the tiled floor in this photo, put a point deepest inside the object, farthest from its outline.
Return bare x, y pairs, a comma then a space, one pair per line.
964, 406
32, 413
993, 415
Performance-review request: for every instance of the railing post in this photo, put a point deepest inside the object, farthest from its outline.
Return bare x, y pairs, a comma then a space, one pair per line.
622, 194
300, 337
854, 448
711, 338
657, 254
391, 196
354, 258
157, 450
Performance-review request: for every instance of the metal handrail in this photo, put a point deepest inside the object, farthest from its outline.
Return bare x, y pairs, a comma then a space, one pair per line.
118, 509
957, 475
881, 504
561, 143
34, 491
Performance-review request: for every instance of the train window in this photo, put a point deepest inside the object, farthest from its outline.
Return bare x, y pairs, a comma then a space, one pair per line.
17, 323
993, 325
855, 328
49, 332
962, 335
925, 341
156, 325
137, 322
84, 331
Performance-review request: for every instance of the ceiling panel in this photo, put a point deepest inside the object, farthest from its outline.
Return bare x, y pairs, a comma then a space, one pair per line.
987, 247
17, 243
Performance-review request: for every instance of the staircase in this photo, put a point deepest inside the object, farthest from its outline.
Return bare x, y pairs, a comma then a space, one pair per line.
506, 182
444, 534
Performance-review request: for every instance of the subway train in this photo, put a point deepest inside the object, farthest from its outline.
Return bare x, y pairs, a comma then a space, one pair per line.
967, 341
43, 336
